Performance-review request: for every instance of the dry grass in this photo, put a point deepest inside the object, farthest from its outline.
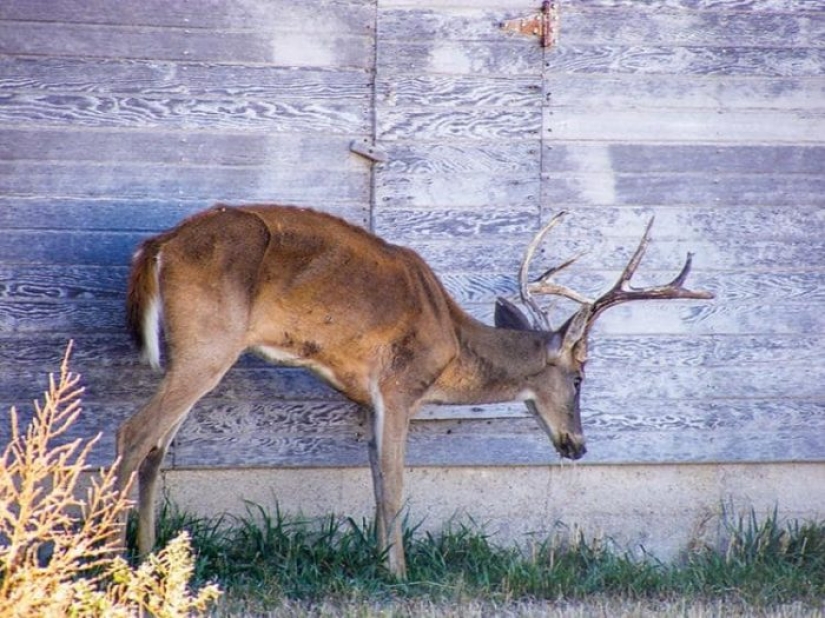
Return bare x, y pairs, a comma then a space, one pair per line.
598, 607
58, 547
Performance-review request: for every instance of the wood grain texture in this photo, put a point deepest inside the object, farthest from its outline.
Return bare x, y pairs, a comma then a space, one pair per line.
181, 113
720, 125
197, 79
281, 184
130, 215
655, 92
117, 121
340, 15
717, 62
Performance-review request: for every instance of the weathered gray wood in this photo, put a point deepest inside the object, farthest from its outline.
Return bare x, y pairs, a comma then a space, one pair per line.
287, 184
687, 61
145, 215
481, 123
116, 121
285, 48
731, 28
179, 148
727, 6
654, 92
672, 189
504, 57
480, 190
355, 16
499, 158
183, 113
682, 158
686, 224
428, 91
157, 79
720, 126
694, 28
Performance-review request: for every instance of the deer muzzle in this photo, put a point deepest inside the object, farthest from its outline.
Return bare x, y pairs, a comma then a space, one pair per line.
571, 446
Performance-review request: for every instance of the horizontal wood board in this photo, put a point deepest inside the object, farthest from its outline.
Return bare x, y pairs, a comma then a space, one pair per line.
117, 121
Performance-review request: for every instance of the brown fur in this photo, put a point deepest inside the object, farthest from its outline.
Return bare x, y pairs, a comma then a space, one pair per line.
310, 289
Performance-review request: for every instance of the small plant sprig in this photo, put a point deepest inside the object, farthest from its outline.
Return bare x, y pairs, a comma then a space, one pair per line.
58, 550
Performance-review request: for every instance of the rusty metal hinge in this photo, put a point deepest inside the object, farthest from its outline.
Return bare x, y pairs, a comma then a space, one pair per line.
544, 24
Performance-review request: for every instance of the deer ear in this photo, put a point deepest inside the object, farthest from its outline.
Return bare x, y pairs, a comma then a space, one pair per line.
507, 315
576, 329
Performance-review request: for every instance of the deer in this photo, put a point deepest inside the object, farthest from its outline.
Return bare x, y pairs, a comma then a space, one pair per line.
303, 288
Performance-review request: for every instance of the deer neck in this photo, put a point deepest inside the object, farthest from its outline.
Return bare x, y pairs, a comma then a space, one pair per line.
492, 365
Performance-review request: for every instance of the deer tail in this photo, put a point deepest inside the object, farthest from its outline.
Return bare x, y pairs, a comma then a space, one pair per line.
143, 303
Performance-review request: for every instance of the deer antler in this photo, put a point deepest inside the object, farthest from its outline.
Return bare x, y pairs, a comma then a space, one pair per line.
621, 292
543, 285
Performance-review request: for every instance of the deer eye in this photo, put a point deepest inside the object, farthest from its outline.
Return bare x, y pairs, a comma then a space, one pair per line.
577, 382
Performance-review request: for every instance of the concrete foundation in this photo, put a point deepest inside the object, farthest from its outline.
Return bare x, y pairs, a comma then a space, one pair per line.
659, 509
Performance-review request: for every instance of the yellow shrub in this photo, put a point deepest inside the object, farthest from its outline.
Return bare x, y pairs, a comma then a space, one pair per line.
58, 555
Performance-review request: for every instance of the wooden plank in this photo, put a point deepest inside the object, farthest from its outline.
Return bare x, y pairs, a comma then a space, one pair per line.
355, 16
630, 125
286, 184
693, 28
455, 91
758, 222
69, 248
684, 61
506, 57
480, 124
724, 6
127, 215
61, 283
684, 190
637, 27
481, 191
285, 48
514, 216
179, 113
511, 158
203, 80
682, 158
694, 92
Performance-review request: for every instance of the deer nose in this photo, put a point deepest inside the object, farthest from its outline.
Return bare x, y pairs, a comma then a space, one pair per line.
571, 446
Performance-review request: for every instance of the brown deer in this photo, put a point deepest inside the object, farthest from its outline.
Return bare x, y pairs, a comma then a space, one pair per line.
307, 289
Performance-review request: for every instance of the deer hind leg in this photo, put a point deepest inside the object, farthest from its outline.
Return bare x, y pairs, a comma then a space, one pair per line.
144, 438
387, 449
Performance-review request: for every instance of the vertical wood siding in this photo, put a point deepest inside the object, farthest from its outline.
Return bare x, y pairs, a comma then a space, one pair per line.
118, 119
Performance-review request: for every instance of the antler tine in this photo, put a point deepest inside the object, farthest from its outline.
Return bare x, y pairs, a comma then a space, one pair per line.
633, 264
539, 317
623, 292
543, 285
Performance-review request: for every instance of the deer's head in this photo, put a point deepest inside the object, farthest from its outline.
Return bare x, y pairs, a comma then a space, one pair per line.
552, 395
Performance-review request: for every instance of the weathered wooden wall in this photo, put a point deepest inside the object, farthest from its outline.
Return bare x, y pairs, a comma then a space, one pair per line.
117, 119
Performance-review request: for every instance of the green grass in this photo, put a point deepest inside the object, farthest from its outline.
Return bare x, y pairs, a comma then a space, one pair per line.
265, 560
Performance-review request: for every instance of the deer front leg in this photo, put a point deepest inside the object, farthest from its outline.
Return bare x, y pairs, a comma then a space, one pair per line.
387, 450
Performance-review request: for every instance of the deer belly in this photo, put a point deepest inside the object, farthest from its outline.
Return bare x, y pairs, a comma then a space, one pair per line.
281, 356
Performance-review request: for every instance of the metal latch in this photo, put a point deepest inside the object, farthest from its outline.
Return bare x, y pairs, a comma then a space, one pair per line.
368, 150
544, 25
